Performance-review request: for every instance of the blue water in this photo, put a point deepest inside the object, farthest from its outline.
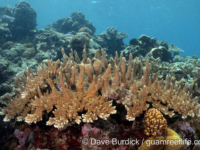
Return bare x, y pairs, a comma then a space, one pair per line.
175, 21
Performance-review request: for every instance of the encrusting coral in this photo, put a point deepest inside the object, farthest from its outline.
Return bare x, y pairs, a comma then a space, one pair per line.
86, 86
171, 141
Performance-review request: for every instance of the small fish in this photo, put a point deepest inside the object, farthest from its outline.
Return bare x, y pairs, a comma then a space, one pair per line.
33, 31
5, 50
91, 43
67, 35
135, 42
7, 18
139, 41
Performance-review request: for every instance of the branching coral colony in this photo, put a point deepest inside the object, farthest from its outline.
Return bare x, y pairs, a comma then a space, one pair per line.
78, 91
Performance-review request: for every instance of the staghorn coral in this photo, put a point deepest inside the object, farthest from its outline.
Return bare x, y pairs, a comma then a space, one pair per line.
85, 88
77, 101
154, 122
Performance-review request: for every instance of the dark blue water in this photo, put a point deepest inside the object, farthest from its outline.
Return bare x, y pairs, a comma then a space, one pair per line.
177, 21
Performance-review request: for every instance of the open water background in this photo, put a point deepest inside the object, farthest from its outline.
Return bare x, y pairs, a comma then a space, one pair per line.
175, 21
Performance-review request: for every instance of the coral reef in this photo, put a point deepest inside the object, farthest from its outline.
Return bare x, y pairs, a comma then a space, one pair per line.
85, 29
93, 78
161, 52
78, 93
7, 45
145, 45
5, 33
78, 42
175, 49
24, 23
7, 10
112, 40
73, 23
28, 45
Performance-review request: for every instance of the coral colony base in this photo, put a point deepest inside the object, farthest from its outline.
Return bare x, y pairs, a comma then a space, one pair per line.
93, 92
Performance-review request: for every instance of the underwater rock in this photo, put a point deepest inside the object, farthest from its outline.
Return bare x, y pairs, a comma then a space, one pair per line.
28, 45
112, 40
20, 48
4, 88
144, 42
78, 42
7, 18
7, 45
162, 53
5, 76
4, 32
7, 10
42, 46
147, 43
48, 40
133, 50
46, 36
100, 40
112, 32
176, 58
29, 52
187, 130
187, 59
85, 29
163, 43
40, 56
9, 54
73, 23
22, 137
4, 64
175, 49
24, 23
51, 42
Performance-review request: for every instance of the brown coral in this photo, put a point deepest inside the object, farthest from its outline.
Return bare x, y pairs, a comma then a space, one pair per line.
7, 45
154, 122
85, 29
28, 45
78, 42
